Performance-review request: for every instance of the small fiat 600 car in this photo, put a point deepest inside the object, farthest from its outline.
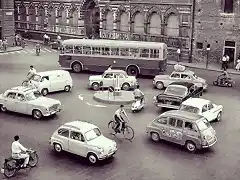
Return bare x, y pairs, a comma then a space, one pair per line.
108, 78
83, 139
184, 128
176, 93
162, 81
28, 101
203, 107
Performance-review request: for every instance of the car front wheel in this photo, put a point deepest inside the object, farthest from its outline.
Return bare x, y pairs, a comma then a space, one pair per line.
191, 146
155, 137
219, 116
92, 158
57, 147
37, 114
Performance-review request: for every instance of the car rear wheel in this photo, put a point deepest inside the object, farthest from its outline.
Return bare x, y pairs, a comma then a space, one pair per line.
155, 137
191, 146
67, 88
219, 116
57, 147
159, 85
3, 108
92, 158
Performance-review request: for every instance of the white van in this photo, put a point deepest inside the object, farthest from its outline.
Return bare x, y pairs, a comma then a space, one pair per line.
52, 81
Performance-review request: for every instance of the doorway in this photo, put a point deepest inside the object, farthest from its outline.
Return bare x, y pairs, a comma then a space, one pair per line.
230, 51
0, 32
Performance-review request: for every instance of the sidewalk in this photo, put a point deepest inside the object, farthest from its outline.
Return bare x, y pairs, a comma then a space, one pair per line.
33, 41
12, 49
199, 65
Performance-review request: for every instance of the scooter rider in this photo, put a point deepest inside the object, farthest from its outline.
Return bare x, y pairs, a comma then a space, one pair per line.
138, 94
19, 151
118, 117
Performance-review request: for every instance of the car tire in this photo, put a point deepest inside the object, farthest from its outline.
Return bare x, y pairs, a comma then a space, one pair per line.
125, 86
37, 114
155, 137
159, 85
57, 147
95, 86
92, 158
219, 117
133, 71
76, 67
3, 108
44, 91
190, 146
67, 88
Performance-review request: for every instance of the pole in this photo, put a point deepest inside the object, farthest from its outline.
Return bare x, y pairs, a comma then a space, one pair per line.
207, 59
192, 31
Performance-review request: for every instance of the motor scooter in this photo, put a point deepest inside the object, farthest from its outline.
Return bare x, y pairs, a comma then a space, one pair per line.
138, 105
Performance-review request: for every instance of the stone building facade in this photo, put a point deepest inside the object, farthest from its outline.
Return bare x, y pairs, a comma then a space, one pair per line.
7, 25
217, 23
166, 21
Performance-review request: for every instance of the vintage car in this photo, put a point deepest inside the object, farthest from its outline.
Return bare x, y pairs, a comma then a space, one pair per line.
184, 128
176, 93
28, 101
203, 107
83, 139
109, 78
162, 81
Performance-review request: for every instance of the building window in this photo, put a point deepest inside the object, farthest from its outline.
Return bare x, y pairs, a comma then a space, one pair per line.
228, 6
199, 45
230, 43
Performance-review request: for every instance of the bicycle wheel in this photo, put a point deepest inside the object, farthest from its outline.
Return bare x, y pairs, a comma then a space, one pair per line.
128, 132
112, 127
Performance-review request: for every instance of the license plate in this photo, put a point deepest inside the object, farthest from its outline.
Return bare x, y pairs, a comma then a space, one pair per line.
2, 170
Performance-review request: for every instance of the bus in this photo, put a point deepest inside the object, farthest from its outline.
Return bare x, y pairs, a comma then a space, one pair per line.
136, 58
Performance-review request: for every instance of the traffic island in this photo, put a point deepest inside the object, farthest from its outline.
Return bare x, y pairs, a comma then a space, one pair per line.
120, 97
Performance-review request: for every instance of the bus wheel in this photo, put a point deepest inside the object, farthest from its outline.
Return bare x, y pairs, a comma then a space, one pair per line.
132, 71
76, 67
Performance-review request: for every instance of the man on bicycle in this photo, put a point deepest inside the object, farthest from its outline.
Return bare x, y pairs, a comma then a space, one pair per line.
119, 118
31, 72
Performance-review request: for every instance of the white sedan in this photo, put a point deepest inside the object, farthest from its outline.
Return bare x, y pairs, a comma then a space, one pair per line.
203, 107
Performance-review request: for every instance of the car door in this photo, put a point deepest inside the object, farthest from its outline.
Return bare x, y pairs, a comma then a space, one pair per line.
63, 138
77, 144
55, 83
21, 105
212, 112
190, 132
206, 113
10, 101
175, 130
45, 83
162, 126
108, 80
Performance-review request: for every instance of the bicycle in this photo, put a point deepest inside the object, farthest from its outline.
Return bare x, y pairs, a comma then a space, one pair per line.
126, 130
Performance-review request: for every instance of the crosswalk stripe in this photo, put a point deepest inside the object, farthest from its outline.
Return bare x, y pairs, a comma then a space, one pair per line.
42, 51
24, 52
18, 52
54, 50
47, 50
29, 50
12, 52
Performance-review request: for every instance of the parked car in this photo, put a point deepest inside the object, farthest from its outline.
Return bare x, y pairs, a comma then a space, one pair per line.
108, 78
28, 101
162, 81
83, 139
176, 93
184, 128
203, 107
52, 81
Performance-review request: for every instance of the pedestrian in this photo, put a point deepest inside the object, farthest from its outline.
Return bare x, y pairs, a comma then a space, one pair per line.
227, 61
4, 44
224, 59
238, 63
178, 54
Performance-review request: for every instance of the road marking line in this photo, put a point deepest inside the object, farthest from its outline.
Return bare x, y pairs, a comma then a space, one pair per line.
80, 97
12, 52
42, 51
101, 106
47, 50
29, 51
54, 50
24, 52
88, 104
18, 52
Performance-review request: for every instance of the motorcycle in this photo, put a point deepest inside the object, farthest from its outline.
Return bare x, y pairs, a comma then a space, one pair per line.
11, 165
138, 105
227, 83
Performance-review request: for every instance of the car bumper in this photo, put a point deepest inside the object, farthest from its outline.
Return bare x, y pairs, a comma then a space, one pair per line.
105, 156
166, 105
53, 112
211, 143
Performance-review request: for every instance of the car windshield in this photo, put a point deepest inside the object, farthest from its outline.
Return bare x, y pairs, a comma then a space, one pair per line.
92, 134
32, 95
188, 108
36, 78
203, 124
176, 90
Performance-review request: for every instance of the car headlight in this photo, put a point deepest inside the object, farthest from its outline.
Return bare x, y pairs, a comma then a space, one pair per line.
115, 144
100, 150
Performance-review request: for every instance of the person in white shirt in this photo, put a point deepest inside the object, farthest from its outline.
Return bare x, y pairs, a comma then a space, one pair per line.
138, 94
224, 61
119, 117
19, 151
31, 72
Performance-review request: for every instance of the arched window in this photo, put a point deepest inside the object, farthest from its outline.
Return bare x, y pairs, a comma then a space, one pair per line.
52, 16
138, 26
172, 27
62, 16
109, 20
73, 19
123, 24
155, 24
32, 14
41, 15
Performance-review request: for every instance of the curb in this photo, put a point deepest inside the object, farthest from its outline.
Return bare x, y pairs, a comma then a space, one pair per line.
11, 50
33, 41
201, 68
115, 102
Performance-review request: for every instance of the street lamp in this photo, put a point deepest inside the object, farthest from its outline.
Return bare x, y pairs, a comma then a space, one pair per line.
208, 49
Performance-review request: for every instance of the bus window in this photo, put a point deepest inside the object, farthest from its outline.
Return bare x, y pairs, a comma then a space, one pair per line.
115, 51
96, 50
68, 49
124, 51
154, 53
134, 52
86, 50
78, 49
144, 53
105, 51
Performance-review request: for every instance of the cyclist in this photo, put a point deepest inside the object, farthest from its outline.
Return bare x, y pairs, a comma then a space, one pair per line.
119, 119
31, 72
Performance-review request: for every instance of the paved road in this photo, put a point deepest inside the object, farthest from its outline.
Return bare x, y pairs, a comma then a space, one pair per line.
139, 160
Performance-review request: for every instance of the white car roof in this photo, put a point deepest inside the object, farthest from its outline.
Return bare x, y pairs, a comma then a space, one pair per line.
22, 89
196, 102
115, 71
48, 73
186, 71
81, 126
